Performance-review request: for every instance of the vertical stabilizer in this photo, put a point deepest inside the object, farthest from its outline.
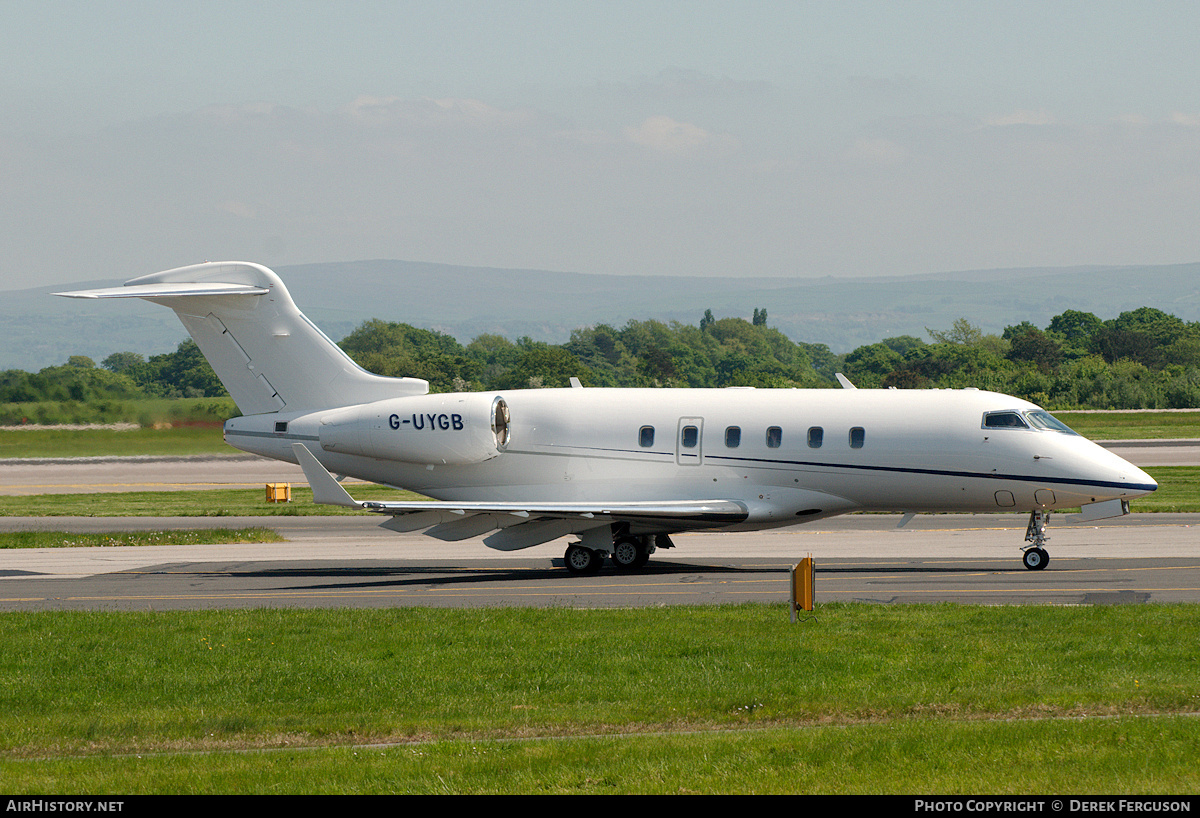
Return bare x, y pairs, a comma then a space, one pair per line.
268, 355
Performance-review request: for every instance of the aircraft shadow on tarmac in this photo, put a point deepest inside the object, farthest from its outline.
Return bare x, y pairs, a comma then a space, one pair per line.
399, 576
416, 575
927, 567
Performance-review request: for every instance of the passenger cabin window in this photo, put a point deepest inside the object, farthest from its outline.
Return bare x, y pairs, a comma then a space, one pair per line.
733, 437
1004, 420
646, 437
281, 426
774, 437
690, 437
816, 436
857, 436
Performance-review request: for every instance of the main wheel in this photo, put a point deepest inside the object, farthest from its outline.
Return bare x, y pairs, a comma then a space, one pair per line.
629, 553
580, 560
1035, 559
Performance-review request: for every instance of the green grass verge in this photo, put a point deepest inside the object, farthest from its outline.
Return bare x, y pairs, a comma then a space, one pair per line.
1179, 491
1133, 425
199, 503
190, 536
1123, 756
174, 441
142, 411
863, 698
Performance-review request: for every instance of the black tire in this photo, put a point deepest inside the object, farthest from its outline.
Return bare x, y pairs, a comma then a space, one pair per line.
629, 553
1035, 559
580, 560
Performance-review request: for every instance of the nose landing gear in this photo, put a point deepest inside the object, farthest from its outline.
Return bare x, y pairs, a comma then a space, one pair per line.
1036, 557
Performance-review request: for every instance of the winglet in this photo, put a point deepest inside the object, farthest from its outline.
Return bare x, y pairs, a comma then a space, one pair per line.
845, 382
325, 489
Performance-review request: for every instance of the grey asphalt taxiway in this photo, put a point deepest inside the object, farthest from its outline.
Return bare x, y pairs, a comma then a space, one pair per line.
350, 561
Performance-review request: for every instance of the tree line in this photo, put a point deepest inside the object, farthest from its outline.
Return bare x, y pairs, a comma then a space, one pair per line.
1143, 358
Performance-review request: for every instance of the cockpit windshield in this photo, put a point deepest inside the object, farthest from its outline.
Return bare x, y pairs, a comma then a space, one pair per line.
1045, 420
1004, 420
1013, 419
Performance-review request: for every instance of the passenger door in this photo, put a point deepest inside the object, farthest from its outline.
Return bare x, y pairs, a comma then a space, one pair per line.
689, 442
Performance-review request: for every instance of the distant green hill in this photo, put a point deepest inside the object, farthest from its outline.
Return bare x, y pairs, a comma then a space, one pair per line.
37, 330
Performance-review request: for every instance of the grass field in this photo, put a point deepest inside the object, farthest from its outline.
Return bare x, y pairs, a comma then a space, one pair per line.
148, 412
1178, 491
199, 503
168, 441
109, 539
861, 699
1133, 425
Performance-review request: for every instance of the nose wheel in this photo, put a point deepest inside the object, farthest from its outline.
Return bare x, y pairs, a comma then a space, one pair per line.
1036, 557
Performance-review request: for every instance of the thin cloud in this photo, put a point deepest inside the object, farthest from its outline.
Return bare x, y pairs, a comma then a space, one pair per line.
878, 152
1039, 117
666, 135
429, 112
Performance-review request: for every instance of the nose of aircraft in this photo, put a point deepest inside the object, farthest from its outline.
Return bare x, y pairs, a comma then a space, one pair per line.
1145, 482
1110, 474
1135, 481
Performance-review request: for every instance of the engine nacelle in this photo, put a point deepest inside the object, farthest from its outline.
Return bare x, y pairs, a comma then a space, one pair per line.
452, 429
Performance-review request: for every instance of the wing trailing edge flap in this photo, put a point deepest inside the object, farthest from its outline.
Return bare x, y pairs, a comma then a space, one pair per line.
520, 525
515, 530
538, 532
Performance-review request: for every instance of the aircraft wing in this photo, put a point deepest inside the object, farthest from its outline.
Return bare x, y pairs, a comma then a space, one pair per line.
518, 525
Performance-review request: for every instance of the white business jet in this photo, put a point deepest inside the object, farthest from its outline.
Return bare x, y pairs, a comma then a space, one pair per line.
621, 469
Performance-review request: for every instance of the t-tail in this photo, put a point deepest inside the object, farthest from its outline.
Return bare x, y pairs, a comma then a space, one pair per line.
268, 355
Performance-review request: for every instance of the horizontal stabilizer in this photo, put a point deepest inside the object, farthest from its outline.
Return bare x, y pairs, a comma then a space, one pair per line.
176, 290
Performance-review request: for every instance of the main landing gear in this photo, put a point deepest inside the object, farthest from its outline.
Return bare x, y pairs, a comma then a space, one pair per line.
1035, 557
627, 552
582, 560
631, 552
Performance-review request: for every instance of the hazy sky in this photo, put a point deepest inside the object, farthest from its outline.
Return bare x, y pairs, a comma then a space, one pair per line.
712, 138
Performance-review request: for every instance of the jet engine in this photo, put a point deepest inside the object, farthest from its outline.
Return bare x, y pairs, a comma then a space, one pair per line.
451, 429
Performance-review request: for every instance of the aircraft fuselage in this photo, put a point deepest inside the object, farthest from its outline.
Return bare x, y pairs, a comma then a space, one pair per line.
789, 455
